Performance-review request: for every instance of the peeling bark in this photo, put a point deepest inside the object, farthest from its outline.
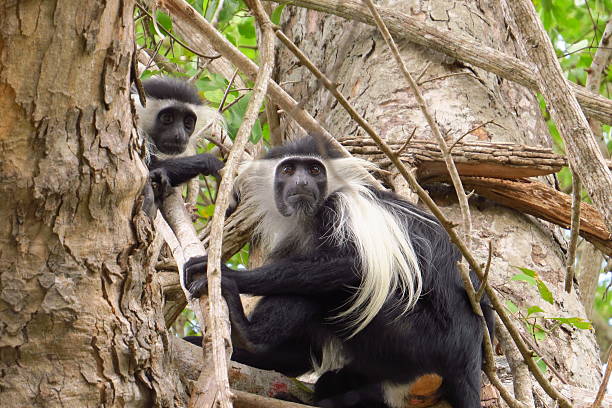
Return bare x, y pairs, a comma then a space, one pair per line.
81, 320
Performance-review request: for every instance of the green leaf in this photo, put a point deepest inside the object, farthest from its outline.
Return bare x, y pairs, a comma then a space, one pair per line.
277, 13
164, 20
541, 364
577, 322
246, 28
207, 211
229, 9
527, 271
524, 278
545, 292
534, 309
256, 132
511, 307
215, 95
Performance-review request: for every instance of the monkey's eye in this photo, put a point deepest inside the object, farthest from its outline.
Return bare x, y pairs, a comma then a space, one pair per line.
315, 170
189, 123
288, 169
166, 118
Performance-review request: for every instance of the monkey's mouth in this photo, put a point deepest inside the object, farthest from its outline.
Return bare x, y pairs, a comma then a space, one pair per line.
302, 203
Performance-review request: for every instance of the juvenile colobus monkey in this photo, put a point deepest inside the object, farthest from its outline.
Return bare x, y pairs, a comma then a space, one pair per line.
358, 284
174, 114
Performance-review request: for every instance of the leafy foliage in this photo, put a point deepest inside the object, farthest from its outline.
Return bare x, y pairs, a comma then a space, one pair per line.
534, 317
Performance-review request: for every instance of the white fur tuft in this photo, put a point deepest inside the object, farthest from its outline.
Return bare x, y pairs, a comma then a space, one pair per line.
386, 256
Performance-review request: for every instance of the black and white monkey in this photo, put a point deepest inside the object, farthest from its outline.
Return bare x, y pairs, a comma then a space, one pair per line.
359, 284
172, 118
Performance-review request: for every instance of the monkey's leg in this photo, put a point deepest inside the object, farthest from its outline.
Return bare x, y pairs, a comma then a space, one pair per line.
278, 334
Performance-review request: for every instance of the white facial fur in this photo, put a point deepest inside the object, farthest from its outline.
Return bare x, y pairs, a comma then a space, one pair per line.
208, 118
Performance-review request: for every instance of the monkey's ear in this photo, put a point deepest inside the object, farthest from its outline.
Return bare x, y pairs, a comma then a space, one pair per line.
233, 203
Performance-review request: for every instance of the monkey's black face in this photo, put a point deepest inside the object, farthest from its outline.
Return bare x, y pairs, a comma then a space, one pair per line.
172, 129
300, 186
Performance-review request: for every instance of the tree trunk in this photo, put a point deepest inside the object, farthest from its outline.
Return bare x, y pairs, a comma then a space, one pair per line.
81, 322
462, 97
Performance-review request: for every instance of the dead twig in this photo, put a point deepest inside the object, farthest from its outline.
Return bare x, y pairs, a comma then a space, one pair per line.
483, 284
604, 382
575, 230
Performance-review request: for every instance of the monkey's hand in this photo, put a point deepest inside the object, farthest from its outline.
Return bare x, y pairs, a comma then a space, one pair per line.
196, 281
160, 181
209, 165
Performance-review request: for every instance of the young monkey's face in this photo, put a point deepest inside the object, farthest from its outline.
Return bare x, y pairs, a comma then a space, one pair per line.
172, 129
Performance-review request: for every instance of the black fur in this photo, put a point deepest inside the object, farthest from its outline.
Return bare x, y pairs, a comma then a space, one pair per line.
303, 293
171, 88
171, 136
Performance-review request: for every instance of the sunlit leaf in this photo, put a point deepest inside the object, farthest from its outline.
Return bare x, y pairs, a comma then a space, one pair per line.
545, 293
511, 307
277, 13
534, 309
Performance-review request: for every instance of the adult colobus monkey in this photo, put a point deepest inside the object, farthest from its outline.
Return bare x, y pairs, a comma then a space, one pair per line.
174, 114
358, 283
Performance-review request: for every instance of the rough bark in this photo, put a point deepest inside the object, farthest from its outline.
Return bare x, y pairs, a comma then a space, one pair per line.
372, 83
81, 320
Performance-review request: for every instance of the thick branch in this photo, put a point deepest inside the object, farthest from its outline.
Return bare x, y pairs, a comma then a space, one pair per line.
498, 160
463, 48
539, 200
583, 153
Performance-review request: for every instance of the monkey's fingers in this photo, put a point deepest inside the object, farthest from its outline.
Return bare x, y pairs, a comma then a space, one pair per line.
194, 274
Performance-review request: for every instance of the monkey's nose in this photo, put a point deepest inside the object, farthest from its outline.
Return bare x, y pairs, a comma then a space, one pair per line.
181, 138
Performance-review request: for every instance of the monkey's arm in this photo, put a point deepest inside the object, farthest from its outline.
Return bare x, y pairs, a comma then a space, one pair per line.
182, 169
303, 277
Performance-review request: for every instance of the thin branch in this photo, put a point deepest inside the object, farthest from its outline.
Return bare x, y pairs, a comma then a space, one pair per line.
604, 382
595, 73
446, 76
552, 368
424, 71
468, 132
435, 130
521, 379
217, 321
399, 151
489, 365
575, 230
483, 284
227, 91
